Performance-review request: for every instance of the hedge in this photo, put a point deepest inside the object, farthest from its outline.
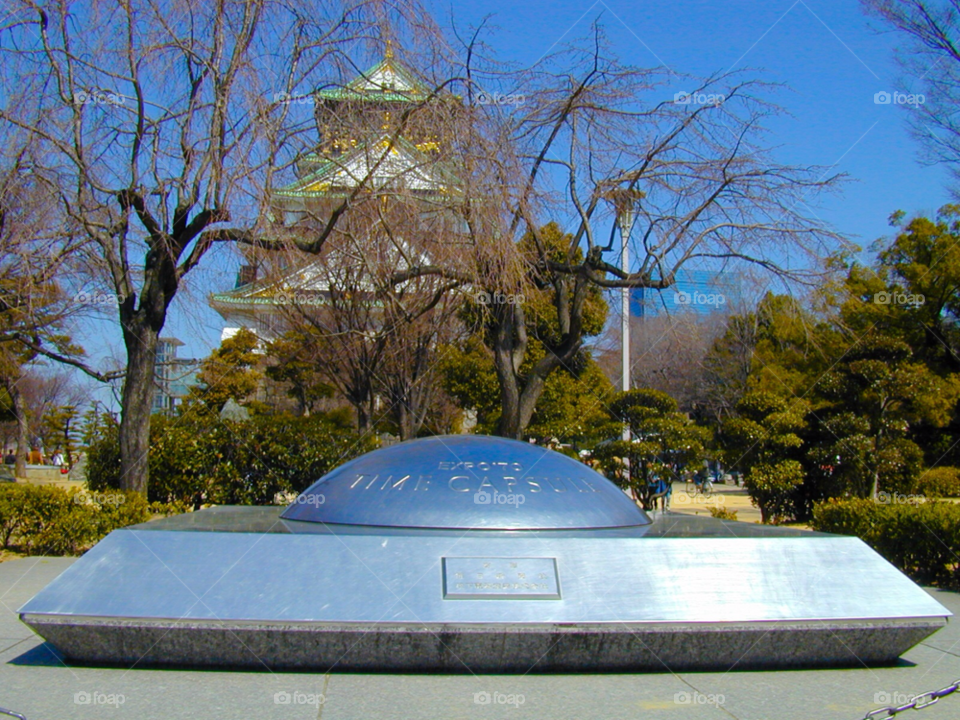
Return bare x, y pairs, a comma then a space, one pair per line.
45, 520
940, 482
198, 460
922, 540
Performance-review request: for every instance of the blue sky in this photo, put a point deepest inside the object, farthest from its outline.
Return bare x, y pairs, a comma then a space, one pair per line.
830, 57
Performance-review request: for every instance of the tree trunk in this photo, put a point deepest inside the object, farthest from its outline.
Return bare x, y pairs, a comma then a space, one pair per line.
510, 345
509, 425
406, 424
532, 390
505, 351
875, 484
517, 406
23, 430
136, 405
363, 417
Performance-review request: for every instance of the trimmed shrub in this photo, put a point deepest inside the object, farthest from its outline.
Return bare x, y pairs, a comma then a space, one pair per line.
922, 540
196, 460
44, 520
103, 458
721, 513
12, 518
772, 489
940, 482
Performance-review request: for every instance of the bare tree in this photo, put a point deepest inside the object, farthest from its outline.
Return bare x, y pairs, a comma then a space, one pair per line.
585, 141
591, 140
36, 258
667, 353
409, 380
366, 336
167, 124
931, 58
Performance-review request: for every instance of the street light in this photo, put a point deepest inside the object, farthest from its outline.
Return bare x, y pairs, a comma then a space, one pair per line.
624, 202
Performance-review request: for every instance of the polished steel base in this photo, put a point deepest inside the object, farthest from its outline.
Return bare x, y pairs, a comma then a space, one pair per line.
369, 601
573, 578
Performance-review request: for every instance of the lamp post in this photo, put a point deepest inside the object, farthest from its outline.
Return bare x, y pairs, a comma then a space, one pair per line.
624, 203
625, 218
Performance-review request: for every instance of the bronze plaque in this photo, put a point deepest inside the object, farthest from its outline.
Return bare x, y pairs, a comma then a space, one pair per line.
492, 578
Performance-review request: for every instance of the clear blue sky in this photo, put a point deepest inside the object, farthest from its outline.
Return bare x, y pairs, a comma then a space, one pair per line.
828, 54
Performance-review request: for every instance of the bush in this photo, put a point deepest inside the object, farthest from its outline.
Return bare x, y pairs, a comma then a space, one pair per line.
922, 540
721, 513
196, 460
44, 520
103, 458
940, 482
12, 519
772, 489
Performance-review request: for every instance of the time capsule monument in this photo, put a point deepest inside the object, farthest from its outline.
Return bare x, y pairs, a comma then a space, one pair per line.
467, 553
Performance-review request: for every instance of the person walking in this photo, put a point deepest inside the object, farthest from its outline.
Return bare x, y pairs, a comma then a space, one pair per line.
659, 489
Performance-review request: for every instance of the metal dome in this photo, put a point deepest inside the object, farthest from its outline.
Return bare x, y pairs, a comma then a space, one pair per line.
466, 482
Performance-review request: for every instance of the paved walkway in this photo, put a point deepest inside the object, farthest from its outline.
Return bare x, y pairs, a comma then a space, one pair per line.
730, 497
35, 682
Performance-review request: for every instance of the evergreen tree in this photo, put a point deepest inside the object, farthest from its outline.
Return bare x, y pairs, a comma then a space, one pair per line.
663, 441
231, 371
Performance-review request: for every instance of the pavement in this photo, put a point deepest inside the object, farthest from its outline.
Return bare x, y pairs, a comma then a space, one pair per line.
724, 495
35, 682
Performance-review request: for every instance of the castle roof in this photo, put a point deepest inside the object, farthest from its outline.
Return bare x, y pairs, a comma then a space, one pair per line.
387, 81
382, 162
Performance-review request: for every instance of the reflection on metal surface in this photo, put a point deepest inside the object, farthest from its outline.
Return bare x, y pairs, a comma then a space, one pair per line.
390, 578
466, 482
473, 578
408, 559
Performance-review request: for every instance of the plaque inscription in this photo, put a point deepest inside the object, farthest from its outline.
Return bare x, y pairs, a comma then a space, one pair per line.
483, 578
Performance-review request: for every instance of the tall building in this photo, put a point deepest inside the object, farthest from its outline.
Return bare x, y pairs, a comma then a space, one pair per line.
703, 292
174, 375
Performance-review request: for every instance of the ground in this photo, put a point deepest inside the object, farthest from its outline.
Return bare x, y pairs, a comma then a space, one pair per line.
730, 497
35, 682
